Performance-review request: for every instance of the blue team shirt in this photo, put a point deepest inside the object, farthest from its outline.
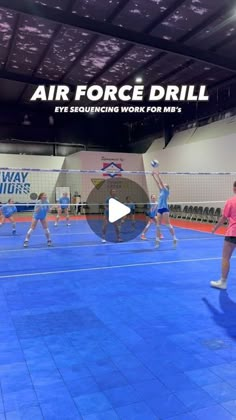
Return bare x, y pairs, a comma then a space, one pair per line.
43, 210
163, 198
8, 210
64, 201
152, 209
131, 206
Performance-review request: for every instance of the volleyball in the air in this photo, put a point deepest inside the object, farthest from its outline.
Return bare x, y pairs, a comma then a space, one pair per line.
155, 163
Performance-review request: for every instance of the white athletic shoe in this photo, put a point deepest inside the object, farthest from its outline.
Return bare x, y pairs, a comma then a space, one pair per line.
175, 241
143, 237
68, 224
26, 243
55, 224
219, 284
103, 240
49, 242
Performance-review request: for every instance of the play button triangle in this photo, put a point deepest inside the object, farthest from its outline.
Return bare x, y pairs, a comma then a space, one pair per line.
117, 210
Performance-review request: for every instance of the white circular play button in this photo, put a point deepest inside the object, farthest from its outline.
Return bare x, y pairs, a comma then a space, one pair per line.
117, 210
124, 211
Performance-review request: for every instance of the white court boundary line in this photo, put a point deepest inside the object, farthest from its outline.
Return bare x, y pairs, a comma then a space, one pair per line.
197, 230
34, 248
54, 234
69, 233
78, 270
41, 234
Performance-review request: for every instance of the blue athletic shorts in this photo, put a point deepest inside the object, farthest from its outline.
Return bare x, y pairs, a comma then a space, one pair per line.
164, 210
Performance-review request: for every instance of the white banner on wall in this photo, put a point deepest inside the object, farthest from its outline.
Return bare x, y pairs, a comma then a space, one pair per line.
14, 183
60, 191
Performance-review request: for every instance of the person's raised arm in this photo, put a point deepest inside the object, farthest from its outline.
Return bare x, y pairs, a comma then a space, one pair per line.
158, 180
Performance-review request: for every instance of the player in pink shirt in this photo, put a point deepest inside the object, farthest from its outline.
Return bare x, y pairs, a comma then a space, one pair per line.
229, 214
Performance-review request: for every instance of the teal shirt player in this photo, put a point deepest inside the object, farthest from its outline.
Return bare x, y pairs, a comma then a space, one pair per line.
41, 210
8, 210
64, 202
152, 210
163, 198
132, 207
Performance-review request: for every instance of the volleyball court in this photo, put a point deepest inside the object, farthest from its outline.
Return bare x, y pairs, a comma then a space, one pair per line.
196, 202
123, 330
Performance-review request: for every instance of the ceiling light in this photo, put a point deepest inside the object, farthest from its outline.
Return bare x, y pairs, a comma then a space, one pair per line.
51, 120
26, 120
139, 79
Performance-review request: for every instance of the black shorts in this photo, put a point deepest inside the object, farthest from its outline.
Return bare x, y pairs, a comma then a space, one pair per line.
231, 239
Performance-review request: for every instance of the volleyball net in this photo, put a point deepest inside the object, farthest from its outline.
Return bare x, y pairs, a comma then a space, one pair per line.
194, 196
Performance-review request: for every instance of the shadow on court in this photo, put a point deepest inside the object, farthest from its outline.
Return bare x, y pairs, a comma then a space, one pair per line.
226, 316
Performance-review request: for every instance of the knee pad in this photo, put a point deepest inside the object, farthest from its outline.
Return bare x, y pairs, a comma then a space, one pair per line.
169, 226
47, 230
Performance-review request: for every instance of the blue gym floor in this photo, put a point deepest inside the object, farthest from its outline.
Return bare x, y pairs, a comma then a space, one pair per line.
112, 331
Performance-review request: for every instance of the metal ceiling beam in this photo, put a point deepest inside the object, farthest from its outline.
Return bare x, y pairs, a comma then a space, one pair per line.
56, 32
22, 78
46, 50
78, 58
12, 43
225, 10
111, 63
117, 10
223, 43
148, 29
87, 47
107, 29
175, 71
163, 16
170, 74
52, 39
